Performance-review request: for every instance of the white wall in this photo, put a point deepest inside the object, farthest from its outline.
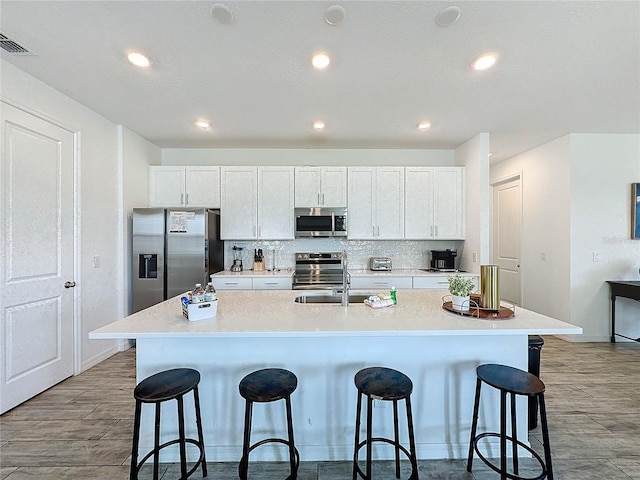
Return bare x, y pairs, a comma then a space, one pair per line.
602, 170
136, 154
299, 157
474, 156
99, 205
576, 200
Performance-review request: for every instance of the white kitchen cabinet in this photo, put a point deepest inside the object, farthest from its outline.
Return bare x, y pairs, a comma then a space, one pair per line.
275, 203
439, 281
272, 283
376, 203
320, 186
256, 203
184, 187
249, 281
381, 282
434, 203
231, 283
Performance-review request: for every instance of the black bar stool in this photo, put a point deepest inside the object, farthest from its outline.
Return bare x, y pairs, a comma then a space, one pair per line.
380, 383
162, 387
536, 343
268, 385
513, 381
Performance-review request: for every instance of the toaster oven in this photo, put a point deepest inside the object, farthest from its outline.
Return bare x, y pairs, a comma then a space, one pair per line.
380, 264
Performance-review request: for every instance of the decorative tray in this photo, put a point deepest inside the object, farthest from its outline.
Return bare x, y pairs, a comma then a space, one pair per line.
503, 313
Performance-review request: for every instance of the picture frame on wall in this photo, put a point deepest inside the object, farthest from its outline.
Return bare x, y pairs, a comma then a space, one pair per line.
635, 211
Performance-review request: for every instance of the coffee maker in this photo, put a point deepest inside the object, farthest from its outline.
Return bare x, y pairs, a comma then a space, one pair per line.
443, 259
237, 259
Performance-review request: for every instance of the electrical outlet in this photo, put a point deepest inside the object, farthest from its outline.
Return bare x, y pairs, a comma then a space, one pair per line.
474, 255
596, 257
96, 261
543, 256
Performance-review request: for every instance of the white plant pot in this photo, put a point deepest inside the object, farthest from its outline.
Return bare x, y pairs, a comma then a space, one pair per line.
460, 304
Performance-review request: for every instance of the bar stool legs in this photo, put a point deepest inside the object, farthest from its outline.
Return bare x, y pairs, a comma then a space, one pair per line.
510, 381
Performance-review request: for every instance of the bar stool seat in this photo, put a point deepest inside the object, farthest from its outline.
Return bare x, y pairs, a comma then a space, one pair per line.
162, 387
384, 384
512, 381
268, 385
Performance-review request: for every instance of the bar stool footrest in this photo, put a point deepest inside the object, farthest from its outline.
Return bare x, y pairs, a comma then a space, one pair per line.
402, 448
496, 469
244, 459
173, 442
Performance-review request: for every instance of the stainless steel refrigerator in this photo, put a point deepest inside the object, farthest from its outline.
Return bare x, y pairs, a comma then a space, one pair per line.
173, 249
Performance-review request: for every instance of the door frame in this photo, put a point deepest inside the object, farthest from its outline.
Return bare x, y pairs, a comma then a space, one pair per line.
77, 290
519, 175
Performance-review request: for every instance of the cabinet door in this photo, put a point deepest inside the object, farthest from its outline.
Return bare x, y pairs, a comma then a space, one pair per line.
418, 203
202, 186
361, 203
238, 203
275, 203
307, 186
166, 187
389, 203
334, 187
448, 202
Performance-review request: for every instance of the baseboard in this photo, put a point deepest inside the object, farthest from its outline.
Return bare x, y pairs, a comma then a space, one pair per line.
119, 346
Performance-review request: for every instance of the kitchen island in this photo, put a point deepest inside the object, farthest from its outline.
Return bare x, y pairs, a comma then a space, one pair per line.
325, 345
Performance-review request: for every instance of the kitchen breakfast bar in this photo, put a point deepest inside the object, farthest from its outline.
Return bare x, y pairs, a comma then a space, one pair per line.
324, 345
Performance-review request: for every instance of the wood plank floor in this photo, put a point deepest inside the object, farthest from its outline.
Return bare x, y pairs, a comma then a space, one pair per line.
81, 428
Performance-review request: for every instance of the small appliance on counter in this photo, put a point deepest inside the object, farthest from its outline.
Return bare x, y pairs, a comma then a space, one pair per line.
237, 259
380, 264
443, 260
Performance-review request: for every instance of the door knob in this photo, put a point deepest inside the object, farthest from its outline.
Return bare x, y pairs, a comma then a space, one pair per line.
69, 284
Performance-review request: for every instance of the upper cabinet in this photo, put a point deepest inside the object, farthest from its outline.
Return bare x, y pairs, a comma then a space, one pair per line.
184, 187
320, 186
256, 203
434, 203
375, 203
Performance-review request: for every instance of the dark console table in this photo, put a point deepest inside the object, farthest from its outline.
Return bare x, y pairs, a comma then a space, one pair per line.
626, 289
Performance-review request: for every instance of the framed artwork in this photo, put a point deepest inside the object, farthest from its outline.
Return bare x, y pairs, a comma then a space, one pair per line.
635, 211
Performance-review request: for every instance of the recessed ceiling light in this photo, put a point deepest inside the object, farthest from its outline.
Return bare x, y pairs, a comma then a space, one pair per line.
202, 124
485, 61
448, 16
424, 125
318, 125
320, 60
335, 14
221, 13
139, 59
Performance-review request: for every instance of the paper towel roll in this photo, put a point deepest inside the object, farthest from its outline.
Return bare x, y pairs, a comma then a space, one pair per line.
490, 287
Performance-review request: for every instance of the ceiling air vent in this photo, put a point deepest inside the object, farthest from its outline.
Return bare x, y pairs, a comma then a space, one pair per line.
8, 44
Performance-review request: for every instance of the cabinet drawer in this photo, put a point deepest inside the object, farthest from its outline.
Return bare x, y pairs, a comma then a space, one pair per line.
381, 282
232, 283
435, 282
271, 283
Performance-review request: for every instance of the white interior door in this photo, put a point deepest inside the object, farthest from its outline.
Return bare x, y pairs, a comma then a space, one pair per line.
507, 238
37, 243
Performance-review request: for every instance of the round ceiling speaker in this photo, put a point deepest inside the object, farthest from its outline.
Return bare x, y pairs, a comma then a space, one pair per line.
221, 13
335, 14
448, 16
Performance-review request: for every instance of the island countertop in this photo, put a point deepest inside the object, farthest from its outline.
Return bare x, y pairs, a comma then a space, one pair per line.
258, 313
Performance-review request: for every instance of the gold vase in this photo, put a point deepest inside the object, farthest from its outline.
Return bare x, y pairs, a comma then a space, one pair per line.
490, 287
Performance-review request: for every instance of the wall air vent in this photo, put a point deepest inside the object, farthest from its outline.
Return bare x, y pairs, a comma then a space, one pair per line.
8, 44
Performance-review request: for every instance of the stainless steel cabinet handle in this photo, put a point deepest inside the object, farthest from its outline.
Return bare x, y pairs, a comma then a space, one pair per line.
230, 283
69, 284
436, 230
323, 199
182, 199
187, 202
431, 231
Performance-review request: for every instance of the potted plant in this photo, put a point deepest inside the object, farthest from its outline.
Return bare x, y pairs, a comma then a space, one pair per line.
460, 289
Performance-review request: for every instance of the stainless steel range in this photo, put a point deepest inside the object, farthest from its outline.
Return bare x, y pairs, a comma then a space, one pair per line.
318, 271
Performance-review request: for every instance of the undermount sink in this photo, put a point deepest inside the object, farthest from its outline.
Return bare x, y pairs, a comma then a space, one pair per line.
329, 298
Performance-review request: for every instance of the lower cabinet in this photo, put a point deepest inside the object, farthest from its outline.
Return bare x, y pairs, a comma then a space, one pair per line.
380, 282
437, 282
230, 282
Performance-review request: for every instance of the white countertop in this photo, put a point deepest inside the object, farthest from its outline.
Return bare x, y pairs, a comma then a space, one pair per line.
273, 313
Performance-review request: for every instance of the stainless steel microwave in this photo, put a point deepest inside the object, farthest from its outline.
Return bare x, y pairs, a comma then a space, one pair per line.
321, 222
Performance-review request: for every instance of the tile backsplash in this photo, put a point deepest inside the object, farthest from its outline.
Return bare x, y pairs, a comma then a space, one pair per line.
405, 254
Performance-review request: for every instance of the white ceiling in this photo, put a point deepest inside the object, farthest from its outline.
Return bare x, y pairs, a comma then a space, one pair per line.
563, 67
